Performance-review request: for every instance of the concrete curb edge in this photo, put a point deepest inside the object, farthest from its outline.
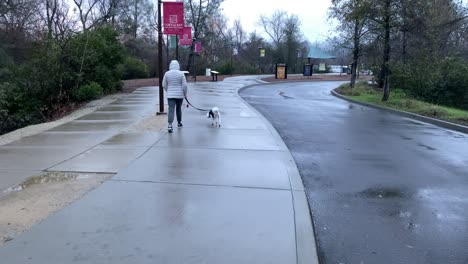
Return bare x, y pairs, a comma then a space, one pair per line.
433, 121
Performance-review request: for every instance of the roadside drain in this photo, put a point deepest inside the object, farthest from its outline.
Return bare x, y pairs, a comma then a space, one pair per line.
33, 200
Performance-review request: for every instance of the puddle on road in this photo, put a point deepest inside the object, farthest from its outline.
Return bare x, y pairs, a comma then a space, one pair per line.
282, 94
426, 146
384, 193
49, 177
406, 138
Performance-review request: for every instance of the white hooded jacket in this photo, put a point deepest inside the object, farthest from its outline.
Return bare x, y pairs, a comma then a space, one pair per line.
174, 82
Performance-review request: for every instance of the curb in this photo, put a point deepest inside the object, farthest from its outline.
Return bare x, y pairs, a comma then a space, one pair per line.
306, 244
433, 121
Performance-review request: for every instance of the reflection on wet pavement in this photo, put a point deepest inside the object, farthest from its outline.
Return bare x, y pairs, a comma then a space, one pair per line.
382, 188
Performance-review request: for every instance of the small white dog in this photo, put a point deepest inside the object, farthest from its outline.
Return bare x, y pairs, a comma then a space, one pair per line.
215, 116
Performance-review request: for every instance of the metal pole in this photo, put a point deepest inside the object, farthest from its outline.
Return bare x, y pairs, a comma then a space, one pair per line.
259, 57
194, 67
160, 62
167, 51
297, 59
232, 69
177, 48
194, 57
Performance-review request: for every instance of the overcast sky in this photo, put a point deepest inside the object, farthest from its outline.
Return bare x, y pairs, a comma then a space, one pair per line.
312, 13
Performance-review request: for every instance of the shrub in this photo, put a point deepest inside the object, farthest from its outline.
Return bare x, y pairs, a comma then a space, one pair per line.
436, 81
226, 68
94, 57
17, 108
360, 88
133, 68
89, 92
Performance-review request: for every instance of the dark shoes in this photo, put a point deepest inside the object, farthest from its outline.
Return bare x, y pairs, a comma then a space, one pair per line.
169, 127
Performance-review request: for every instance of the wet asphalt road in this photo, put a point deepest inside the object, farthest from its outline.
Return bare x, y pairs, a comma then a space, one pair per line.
381, 188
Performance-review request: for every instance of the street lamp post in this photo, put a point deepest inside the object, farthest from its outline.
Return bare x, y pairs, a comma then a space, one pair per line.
297, 59
160, 62
259, 59
194, 63
177, 48
232, 50
342, 55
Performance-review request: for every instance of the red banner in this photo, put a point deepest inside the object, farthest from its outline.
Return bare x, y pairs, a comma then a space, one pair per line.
185, 38
173, 19
198, 47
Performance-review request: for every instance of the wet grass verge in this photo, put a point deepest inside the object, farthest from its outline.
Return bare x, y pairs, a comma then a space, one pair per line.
399, 100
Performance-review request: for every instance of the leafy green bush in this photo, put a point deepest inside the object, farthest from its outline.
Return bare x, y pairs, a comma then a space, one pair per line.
17, 109
226, 68
54, 74
94, 57
133, 68
89, 92
5, 61
442, 82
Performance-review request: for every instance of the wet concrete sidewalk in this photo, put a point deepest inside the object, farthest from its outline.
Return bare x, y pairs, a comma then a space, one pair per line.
199, 195
79, 145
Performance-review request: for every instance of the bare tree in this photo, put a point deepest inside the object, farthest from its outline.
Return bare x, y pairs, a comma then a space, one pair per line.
293, 38
107, 11
274, 26
64, 24
197, 14
384, 19
353, 17
51, 7
239, 33
19, 15
85, 9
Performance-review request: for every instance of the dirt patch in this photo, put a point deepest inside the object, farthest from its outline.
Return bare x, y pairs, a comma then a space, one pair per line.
32, 201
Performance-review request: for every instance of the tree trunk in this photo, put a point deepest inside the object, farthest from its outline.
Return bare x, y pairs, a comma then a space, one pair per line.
112, 12
386, 55
405, 43
135, 19
354, 64
405, 34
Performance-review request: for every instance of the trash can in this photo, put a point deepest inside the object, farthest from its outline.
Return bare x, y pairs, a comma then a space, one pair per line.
208, 72
281, 71
307, 70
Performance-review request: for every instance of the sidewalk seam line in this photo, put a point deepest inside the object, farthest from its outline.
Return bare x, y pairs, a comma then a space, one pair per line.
199, 184
219, 148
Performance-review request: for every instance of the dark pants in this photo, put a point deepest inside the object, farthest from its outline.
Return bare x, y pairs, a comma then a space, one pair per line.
174, 103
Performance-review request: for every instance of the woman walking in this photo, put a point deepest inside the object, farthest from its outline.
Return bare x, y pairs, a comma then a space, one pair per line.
175, 85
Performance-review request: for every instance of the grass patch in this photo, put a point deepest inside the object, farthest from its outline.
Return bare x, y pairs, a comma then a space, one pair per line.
400, 100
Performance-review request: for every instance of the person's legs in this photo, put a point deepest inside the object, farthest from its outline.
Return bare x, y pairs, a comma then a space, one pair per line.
179, 111
170, 115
